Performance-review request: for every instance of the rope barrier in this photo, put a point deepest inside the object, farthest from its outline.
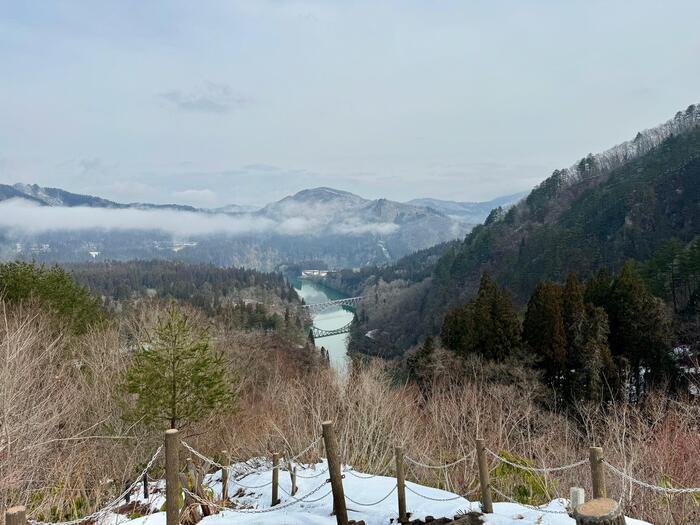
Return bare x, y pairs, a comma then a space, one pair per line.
439, 467
228, 468
358, 476
655, 488
203, 457
304, 500
111, 505
319, 473
311, 445
258, 471
529, 507
282, 506
464, 496
254, 471
373, 503
236, 482
544, 470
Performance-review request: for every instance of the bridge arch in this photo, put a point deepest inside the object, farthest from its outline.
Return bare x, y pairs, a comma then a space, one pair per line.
315, 308
320, 332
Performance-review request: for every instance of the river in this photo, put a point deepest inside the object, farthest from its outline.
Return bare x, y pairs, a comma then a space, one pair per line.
337, 345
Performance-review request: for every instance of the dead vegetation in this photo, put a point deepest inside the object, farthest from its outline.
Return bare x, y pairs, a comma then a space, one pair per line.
65, 450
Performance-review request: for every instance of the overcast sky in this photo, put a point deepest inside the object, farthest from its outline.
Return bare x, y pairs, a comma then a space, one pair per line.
209, 103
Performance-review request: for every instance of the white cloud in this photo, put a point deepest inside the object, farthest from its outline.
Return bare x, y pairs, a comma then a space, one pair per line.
19, 215
202, 198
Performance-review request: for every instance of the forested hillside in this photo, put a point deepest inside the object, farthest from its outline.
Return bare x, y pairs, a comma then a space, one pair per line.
625, 203
411, 268
242, 297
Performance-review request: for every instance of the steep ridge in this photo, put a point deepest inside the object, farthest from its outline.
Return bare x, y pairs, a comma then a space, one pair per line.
618, 205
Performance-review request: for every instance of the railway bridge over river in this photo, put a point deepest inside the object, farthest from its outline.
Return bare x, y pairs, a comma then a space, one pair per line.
315, 308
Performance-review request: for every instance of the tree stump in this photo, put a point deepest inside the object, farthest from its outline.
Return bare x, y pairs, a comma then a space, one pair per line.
599, 511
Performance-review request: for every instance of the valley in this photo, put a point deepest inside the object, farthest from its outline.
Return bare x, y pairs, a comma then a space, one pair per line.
300, 262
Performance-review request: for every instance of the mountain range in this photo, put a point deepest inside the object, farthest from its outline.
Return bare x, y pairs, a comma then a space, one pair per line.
469, 212
321, 226
625, 203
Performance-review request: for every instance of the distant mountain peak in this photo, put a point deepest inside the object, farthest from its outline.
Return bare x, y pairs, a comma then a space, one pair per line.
324, 193
59, 197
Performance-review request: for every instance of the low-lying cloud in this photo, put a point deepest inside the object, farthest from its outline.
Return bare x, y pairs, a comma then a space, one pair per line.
22, 216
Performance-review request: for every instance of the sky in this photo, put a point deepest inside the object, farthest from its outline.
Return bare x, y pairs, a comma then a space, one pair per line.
211, 103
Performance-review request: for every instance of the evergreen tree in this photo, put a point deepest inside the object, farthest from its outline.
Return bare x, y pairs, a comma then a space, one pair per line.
543, 332
176, 376
419, 364
487, 325
54, 289
640, 328
593, 374
571, 338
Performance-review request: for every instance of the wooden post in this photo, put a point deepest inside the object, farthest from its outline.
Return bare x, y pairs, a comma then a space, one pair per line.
224, 475
145, 485
484, 481
293, 476
597, 473
127, 497
401, 484
172, 484
339, 508
16, 516
275, 478
601, 511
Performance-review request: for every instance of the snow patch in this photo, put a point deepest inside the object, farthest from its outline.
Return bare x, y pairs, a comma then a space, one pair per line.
359, 489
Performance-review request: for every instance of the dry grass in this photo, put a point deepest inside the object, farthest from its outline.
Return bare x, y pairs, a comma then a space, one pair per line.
61, 438
61, 435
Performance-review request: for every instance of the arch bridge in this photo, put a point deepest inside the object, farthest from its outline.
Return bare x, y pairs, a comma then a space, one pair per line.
320, 332
315, 308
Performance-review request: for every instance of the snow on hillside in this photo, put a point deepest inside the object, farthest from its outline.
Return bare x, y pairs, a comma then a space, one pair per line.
360, 490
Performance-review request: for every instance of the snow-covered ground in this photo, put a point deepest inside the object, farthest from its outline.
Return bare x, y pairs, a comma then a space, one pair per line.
359, 489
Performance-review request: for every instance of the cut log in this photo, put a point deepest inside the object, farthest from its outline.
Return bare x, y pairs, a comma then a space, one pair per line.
599, 511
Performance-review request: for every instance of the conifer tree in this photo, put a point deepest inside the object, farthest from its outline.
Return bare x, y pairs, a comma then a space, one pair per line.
594, 377
176, 376
543, 332
640, 328
487, 325
420, 361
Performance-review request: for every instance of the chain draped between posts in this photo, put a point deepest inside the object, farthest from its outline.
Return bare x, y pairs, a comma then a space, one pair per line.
400, 486
525, 505
440, 467
393, 489
655, 488
432, 498
543, 470
281, 506
112, 504
319, 473
288, 462
359, 476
